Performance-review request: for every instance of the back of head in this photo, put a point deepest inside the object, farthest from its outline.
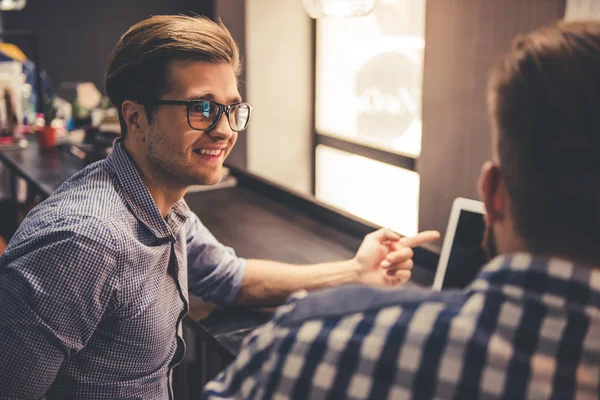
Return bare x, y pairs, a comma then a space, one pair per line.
544, 101
137, 66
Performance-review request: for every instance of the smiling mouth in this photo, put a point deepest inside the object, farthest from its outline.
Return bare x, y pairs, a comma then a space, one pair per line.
209, 154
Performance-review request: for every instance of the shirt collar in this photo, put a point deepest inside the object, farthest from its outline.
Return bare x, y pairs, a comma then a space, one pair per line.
138, 197
543, 275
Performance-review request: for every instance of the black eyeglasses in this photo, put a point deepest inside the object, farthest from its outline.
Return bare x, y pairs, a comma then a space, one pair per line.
204, 115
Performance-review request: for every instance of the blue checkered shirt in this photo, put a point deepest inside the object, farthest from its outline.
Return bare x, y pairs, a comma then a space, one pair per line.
526, 328
94, 285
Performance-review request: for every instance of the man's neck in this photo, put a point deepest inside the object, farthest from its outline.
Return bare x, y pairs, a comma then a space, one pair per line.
164, 196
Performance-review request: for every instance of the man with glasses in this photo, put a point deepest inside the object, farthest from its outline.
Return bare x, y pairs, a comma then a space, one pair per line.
94, 285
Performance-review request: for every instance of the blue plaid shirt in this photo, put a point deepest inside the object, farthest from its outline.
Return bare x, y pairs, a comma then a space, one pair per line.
94, 285
526, 328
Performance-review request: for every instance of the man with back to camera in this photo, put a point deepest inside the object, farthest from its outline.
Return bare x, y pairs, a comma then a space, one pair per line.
94, 285
529, 325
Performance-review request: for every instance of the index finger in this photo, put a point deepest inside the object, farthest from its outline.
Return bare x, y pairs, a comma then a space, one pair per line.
385, 234
420, 238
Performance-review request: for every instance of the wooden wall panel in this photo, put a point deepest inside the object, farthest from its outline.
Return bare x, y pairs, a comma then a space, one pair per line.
463, 40
77, 37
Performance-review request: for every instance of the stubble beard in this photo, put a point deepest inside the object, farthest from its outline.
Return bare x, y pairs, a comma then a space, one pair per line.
165, 162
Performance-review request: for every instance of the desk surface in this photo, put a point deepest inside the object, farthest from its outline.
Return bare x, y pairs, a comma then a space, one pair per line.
45, 170
258, 227
255, 225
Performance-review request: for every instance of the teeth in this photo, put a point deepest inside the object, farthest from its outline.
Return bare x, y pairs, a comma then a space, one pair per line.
210, 152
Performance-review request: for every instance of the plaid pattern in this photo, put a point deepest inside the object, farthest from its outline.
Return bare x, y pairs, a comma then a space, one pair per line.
94, 285
527, 327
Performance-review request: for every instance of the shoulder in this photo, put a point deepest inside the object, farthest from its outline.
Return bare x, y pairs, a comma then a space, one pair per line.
352, 299
193, 224
88, 200
51, 220
322, 342
339, 319
57, 241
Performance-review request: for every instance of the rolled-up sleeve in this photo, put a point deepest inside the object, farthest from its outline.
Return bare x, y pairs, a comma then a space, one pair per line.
215, 272
54, 289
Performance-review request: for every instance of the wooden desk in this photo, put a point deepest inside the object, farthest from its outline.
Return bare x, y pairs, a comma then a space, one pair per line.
257, 226
44, 170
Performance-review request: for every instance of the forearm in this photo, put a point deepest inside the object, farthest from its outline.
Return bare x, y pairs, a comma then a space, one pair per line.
270, 283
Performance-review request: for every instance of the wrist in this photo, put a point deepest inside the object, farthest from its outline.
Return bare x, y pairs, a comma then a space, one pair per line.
355, 270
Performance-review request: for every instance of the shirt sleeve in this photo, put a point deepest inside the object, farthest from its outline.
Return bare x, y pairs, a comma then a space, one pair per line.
256, 373
350, 342
55, 287
215, 272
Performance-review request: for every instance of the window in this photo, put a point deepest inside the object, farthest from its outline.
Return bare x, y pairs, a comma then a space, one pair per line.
359, 186
369, 74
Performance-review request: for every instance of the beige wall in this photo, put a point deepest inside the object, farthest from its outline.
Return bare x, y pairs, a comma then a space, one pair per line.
279, 86
581, 9
233, 15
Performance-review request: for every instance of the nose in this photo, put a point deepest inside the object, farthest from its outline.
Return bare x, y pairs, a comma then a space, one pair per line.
222, 131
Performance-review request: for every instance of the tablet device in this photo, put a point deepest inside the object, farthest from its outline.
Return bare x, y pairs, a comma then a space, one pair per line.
462, 255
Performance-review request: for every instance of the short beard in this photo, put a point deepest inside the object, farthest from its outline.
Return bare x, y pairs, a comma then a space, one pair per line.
489, 243
163, 162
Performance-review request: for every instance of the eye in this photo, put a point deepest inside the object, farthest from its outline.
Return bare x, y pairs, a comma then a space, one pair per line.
202, 107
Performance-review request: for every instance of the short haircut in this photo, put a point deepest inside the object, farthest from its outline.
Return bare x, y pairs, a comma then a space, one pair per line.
544, 103
138, 64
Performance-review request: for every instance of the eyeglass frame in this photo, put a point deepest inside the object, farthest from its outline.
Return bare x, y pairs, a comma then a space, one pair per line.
222, 108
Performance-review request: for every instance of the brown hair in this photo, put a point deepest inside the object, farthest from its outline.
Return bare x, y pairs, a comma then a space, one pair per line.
137, 66
544, 103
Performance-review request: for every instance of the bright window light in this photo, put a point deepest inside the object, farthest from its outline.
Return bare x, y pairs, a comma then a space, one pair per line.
381, 193
370, 75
